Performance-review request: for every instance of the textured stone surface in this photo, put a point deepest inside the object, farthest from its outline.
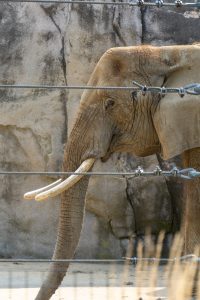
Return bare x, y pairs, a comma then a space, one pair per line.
170, 26
60, 44
38, 45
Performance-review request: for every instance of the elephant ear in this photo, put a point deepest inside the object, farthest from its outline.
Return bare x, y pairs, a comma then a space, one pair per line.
177, 120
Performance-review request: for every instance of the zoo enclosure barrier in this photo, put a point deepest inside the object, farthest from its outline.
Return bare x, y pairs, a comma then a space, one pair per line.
89, 278
188, 173
26, 280
191, 89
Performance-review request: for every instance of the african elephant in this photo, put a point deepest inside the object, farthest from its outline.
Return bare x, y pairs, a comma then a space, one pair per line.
117, 120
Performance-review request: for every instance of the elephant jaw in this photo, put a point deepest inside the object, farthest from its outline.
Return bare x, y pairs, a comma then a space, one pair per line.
60, 186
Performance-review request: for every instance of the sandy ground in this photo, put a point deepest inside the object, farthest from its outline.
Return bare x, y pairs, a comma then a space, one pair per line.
89, 281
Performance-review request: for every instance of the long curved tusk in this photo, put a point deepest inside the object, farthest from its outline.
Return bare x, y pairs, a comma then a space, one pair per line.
31, 195
68, 183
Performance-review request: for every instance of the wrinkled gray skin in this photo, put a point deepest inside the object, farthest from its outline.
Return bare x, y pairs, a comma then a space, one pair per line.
110, 121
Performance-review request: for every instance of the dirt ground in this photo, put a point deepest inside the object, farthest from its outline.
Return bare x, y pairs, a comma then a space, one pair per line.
84, 281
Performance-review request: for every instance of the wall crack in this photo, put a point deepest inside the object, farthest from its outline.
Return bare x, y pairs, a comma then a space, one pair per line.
143, 24
116, 26
49, 12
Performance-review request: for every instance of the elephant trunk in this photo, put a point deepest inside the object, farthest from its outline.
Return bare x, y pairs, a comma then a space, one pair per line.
70, 224
83, 144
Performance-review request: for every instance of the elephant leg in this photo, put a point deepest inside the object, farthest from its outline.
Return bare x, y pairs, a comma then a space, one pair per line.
191, 219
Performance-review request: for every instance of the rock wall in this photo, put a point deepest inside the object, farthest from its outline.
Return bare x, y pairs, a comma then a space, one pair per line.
60, 44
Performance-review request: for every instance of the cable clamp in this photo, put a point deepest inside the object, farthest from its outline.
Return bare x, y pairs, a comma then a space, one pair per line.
178, 3
157, 171
175, 172
159, 3
140, 3
181, 92
139, 172
144, 90
163, 91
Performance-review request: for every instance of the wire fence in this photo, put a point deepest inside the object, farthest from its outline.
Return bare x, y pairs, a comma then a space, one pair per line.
190, 89
64, 87
139, 3
132, 260
85, 280
188, 173
96, 279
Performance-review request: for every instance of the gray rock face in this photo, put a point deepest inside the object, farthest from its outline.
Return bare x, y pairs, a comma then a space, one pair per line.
170, 26
60, 44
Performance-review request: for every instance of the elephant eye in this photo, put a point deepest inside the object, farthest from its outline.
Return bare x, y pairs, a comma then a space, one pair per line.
109, 103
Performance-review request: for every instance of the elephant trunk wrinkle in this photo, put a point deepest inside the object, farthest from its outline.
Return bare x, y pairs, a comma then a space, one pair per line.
69, 228
72, 205
70, 224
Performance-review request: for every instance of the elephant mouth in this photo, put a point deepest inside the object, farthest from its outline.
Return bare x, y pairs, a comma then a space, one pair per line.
111, 148
106, 156
60, 185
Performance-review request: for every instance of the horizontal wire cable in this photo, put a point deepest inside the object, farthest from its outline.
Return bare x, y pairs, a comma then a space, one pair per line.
134, 174
69, 2
19, 260
192, 88
66, 173
139, 3
189, 173
186, 258
150, 173
68, 87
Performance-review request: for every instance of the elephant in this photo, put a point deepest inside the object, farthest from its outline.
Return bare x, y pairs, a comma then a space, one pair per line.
118, 120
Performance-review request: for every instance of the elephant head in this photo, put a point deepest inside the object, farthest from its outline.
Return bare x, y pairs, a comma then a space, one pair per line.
117, 120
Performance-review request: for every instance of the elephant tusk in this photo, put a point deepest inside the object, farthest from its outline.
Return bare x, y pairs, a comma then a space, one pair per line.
68, 183
31, 195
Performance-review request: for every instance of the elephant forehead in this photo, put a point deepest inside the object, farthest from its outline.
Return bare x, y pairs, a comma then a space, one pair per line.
117, 62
